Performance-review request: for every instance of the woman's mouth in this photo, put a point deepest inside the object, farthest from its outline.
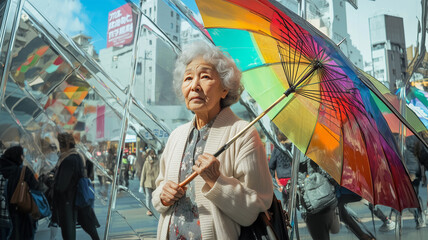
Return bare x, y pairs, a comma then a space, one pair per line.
196, 98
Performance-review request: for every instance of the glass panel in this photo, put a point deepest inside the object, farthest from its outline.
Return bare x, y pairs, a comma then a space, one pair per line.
70, 72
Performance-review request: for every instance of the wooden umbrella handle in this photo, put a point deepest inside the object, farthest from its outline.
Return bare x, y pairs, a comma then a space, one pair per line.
188, 179
227, 145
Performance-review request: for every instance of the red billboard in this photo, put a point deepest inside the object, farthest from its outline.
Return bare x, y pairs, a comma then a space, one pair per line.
120, 26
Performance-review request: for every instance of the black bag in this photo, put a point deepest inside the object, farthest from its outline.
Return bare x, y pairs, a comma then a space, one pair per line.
317, 193
265, 227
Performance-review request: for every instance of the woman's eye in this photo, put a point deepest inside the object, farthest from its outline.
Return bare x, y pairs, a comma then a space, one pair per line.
206, 76
187, 79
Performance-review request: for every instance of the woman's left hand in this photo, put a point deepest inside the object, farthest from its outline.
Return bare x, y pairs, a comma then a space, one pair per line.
208, 167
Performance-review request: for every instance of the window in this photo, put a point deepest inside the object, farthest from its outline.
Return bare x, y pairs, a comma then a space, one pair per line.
175, 38
172, 25
178, 17
150, 69
150, 42
176, 28
378, 46
172, 14
138, 68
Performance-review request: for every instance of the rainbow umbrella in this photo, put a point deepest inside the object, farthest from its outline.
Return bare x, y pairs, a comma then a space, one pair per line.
314, 95
414, 110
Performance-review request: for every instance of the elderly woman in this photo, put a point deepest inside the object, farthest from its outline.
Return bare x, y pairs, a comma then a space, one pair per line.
231, 190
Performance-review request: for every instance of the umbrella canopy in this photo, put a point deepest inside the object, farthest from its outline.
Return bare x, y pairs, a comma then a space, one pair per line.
328, 112
414, 111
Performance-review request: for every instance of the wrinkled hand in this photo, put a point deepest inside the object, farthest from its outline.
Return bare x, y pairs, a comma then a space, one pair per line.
171, 192
208, 167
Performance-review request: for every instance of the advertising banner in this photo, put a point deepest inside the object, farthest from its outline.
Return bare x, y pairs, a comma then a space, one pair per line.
120, 27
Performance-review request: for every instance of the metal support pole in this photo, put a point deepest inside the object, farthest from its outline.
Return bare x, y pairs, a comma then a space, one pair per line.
294, 175
8, 29
124, 127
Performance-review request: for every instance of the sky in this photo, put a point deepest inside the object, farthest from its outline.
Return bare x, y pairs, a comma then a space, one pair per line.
358, 20
90, 17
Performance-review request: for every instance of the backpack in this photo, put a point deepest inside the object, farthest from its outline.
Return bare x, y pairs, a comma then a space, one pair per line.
317, 192
85, 193
5, 220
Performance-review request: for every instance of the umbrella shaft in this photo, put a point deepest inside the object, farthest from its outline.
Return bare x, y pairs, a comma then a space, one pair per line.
227, 145
232, 140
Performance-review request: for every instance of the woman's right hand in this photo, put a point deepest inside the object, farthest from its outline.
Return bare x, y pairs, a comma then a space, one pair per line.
171, 192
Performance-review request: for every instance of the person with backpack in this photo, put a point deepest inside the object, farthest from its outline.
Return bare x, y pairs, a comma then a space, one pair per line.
317, 200
69, 169
23, 226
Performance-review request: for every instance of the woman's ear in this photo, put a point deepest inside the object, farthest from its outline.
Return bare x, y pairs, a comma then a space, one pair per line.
224, 94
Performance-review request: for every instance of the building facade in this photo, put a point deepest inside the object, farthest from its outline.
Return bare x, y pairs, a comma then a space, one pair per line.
329, 17
388, 48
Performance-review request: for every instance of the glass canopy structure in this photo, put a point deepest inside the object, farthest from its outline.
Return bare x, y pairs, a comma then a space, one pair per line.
102, 72
115, 98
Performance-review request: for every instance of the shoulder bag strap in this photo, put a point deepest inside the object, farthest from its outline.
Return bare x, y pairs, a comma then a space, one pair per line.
21, 178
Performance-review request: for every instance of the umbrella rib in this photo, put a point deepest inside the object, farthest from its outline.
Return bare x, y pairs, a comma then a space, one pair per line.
296, 31
295, 68
325, 81
304, 72
284, 66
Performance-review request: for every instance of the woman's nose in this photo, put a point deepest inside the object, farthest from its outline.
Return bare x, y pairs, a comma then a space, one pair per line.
195, 84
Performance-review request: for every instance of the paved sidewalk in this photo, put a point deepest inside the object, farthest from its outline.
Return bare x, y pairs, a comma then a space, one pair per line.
129, 221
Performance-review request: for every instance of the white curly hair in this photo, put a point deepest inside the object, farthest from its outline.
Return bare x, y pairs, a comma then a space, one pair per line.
229, 73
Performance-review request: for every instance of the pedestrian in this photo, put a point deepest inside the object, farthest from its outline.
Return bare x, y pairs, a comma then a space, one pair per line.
422, 153
387, 224
322, 219
22, 226
103, 189
140, 162
69, 169
132, 159
111, 160
280, 165
148, 177
124, 171
413, 164
347, 216
232, 188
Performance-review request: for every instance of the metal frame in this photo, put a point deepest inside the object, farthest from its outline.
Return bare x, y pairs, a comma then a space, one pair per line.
8, 30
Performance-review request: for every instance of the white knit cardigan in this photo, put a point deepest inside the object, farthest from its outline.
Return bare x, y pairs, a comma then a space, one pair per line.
243, 189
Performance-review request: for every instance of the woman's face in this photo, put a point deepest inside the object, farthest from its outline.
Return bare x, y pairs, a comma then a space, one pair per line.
202, 88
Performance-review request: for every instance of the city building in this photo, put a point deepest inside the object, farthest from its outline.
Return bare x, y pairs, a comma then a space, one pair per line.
84, 43
388, 49
155, 63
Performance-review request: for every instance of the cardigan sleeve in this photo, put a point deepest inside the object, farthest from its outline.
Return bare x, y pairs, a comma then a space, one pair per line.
160, 180
250, 190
